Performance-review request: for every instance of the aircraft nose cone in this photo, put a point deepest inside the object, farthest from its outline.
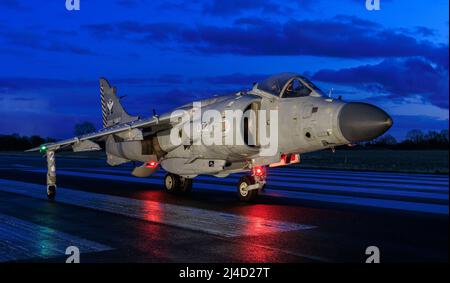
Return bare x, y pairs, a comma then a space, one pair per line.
362, 121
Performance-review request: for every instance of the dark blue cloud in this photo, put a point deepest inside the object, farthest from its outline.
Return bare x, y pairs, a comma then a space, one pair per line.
35, 39
353, 20
346, 37
399, 79
103, 30
424, 31
16, 84
130, 3
11, 4
236, 7
250, 21
238, 79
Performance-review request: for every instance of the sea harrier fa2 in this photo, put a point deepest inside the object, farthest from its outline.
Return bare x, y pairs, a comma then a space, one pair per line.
271, 125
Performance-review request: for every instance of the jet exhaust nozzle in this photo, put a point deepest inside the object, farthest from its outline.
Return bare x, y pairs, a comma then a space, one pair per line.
362, 121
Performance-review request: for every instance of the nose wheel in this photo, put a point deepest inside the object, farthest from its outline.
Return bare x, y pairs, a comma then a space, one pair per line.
176, 184
250, 185
247, 188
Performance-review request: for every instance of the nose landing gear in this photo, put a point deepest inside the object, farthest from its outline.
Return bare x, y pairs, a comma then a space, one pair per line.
249, 186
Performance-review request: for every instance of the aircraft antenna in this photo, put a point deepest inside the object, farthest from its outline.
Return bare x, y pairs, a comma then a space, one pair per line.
330, 92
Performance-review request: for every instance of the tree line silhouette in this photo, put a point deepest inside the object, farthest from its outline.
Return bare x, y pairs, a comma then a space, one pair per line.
17, 142
415, 139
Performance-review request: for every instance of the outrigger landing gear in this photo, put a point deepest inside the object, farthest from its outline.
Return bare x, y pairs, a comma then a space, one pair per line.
51, 192
51, 175
176, 184
249, 186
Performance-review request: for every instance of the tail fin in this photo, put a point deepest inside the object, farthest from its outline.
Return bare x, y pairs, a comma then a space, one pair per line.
112, 111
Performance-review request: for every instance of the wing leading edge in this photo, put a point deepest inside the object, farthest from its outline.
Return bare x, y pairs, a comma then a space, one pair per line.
163, 122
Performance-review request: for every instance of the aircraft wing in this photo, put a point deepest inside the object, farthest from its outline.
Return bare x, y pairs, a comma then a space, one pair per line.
84, 142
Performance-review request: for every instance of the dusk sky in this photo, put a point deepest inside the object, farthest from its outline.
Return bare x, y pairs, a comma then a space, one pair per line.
162, 54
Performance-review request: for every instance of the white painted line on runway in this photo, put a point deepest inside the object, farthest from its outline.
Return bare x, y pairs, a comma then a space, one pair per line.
320, 197
301, 176
380, 192
23, 240
363, 173
361, 178
410, 184
209, 221
355, 190
22, 166
440, 192
340, 199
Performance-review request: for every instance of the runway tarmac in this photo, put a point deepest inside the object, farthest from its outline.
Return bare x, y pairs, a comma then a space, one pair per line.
304, 215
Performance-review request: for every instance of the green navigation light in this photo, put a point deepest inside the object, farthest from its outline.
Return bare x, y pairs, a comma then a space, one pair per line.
43, 148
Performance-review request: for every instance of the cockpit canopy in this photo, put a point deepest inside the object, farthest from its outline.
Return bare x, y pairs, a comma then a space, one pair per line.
287, 85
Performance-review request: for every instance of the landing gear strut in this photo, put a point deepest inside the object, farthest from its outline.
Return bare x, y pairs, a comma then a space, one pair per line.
176, 184
249, 186
51, 175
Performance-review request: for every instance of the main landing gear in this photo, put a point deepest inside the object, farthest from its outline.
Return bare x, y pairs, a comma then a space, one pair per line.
250, 185
176, 184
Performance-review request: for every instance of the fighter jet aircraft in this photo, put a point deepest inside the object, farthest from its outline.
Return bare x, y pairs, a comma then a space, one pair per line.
296, 115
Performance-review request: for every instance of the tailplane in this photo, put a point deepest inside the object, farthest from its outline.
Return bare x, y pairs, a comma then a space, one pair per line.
112, 110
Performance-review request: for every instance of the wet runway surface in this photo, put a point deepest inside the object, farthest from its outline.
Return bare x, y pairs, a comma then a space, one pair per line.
304, 215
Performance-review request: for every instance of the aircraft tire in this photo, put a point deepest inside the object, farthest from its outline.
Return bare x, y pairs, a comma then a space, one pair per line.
51, 192
172, 183
186, 186
244, 182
